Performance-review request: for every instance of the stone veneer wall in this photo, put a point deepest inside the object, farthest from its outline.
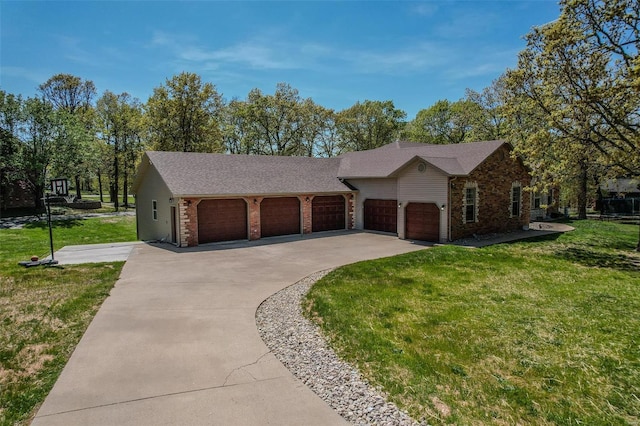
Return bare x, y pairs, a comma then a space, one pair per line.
494, 179
189, 222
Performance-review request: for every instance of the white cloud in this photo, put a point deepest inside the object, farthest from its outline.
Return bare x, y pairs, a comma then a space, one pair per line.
424, 8
36, 76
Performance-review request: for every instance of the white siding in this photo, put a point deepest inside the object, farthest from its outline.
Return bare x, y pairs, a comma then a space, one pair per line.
429, 186
152, 187
379, 189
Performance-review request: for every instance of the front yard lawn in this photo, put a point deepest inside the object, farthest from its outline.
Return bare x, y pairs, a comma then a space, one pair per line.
45, 311
536, 332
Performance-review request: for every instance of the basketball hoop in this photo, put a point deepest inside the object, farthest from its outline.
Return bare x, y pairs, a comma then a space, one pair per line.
60, 187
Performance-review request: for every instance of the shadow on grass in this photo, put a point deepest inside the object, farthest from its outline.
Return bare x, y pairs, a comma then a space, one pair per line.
66, 223
594, 258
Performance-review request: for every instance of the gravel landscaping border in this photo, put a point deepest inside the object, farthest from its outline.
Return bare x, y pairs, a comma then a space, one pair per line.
301, 347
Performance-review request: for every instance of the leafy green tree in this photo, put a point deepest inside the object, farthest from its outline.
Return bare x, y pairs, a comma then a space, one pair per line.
184, 115
581, 73
121, 127
73, 97
236, 128
276, 122
10, 145
320, 137
368, 125
489, 121
41, 137
445, 122
68, 92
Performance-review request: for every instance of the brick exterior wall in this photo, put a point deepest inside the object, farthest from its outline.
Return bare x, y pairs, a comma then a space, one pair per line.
351, 210
254, 217
306, 204
494, 179
16, 194
188, 210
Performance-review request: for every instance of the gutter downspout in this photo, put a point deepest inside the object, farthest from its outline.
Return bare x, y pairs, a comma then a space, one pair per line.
450, 209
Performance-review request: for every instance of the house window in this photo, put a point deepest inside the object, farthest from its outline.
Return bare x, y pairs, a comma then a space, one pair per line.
470, 208
549, 198
536, 200
516, 199
154, 209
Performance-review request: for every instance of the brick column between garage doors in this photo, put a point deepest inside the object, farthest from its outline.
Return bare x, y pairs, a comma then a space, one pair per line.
306, 203
189, 222
254, 217
351, 210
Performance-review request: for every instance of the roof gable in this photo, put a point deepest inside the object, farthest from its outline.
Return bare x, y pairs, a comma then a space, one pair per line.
202, 174
454, 160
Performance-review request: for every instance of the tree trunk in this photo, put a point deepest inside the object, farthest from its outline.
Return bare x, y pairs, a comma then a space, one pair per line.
116, 175
100, 186
125, 192
113, 190
582, 191
78, 192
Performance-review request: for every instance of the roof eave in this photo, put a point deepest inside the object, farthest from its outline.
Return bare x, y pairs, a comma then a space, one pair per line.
260, 194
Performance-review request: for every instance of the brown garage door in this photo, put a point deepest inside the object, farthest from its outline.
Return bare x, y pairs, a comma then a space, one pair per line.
328, 213
422, 222
381, 215
222, 220
279, 216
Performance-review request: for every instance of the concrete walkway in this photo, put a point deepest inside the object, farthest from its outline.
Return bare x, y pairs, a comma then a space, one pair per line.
176, 342
90, 253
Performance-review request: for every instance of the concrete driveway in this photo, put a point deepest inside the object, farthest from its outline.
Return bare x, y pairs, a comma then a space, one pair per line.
176, 342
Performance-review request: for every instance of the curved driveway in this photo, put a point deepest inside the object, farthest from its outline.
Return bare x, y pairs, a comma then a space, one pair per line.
176, 341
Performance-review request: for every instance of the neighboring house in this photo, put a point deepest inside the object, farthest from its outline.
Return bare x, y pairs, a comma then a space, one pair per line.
544, 204
17, 194
423, 192
620, 197
621, 188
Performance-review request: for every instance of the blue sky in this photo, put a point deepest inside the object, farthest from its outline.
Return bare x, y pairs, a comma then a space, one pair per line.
335, 52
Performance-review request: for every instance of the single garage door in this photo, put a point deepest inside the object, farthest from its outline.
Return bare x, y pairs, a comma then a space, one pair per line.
279, 216
222, 220
328, 213
381, 215
422, 222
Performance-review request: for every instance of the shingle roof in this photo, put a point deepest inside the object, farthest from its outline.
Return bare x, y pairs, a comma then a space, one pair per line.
198, 174
454, 160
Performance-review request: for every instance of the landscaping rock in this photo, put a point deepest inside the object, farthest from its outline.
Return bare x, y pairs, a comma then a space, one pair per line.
301, 347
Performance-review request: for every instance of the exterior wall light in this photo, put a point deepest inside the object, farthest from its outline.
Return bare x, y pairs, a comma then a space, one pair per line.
442, 207
399, 205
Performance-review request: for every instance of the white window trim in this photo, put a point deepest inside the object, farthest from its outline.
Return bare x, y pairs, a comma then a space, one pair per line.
469, 185
513, 186
154, 210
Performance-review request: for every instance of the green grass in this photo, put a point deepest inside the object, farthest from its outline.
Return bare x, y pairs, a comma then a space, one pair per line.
538, 332
45, 311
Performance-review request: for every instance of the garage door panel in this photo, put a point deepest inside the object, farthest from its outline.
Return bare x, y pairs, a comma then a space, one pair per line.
279, 216
422, 222
222, 220
381, 215
328, 213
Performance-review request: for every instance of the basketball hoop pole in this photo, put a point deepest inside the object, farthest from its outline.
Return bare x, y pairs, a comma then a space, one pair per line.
46, 197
